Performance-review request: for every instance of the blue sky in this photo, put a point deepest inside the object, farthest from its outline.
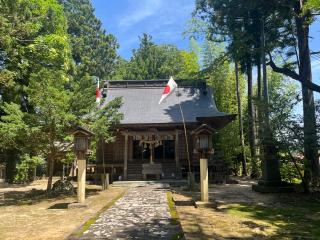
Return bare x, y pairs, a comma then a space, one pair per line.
165, 20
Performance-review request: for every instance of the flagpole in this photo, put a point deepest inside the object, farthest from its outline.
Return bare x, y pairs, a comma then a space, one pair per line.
185, 130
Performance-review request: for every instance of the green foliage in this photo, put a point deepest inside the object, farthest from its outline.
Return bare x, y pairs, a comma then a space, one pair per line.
47, 85
36, 53
26, 167
313, 5
69, 158
173, 212
11, 126
238, 23
190, 67
151, 61
283, 100
49, 52
293, 218
223, 82
104, 118
221, 78
23, 24
93, 51
93, 54
288, 171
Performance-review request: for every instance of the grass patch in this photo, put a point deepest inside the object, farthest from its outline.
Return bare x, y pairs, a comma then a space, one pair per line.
172, 209
174, 217
178, 236
92, 220
291, 222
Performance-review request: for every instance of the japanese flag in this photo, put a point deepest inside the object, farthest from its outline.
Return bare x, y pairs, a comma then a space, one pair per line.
98, 94
169, 88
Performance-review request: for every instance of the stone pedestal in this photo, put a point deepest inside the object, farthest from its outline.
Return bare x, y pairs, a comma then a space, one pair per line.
2, 183
81, 180
191, 181
151, 169
204, 180
77, 205
105, 181
270, 181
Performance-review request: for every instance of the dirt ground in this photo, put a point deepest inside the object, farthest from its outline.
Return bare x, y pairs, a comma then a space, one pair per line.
241, 213
22, 217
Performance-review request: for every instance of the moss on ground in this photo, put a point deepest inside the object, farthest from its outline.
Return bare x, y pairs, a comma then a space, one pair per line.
172, 209
174, 216
289, 222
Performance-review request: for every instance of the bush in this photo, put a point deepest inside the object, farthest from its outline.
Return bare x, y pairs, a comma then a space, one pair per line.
288, 170
26, 168
62, 187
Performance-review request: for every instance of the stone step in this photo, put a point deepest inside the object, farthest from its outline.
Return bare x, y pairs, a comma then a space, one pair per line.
172, 182
134, 177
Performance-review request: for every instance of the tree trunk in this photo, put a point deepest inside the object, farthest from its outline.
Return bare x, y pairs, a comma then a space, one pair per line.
50, 171
251, 119
63, 171
243, 155
259, 80
270, 162
11, 157
310, 135
259, 125
35, 174
103, 176
260, 100
103, 160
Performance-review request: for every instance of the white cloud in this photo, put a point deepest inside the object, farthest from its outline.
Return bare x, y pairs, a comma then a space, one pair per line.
164, 20
139, 12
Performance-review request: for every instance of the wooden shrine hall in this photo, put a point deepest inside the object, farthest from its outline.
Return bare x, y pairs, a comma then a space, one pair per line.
150, 141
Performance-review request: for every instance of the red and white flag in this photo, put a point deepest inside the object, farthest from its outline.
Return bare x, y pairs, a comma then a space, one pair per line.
169, 88
98, 93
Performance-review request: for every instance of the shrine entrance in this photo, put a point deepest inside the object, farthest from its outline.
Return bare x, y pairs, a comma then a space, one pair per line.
153, 154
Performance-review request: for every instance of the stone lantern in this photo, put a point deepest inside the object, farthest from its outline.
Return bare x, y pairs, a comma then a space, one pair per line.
82, 138
203, 145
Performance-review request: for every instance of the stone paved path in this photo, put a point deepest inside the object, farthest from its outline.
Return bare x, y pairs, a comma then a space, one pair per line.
143, 213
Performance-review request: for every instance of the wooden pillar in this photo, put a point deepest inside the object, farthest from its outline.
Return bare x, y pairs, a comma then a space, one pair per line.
204, 179
125, 161
130, 149
81, 180
111, 176
176, 154
151, 153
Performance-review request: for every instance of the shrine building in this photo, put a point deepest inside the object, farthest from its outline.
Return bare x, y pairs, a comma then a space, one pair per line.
150, 139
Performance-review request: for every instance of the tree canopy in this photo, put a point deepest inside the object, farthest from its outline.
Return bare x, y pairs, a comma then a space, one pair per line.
49, 52
151, 61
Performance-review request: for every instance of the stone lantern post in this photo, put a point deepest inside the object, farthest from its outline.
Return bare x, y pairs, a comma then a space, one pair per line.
203, 145
81, 146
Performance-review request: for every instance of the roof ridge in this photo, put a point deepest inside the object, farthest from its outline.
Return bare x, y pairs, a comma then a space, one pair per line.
152, 83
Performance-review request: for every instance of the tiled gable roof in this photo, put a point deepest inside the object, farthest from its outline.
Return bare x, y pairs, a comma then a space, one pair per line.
140, 102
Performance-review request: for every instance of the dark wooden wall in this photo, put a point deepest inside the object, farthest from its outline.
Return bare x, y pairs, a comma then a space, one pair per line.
114, 152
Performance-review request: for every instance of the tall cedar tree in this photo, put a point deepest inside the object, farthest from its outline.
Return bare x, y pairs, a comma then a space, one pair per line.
94, 53
34, 63
287, 23
151, 61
